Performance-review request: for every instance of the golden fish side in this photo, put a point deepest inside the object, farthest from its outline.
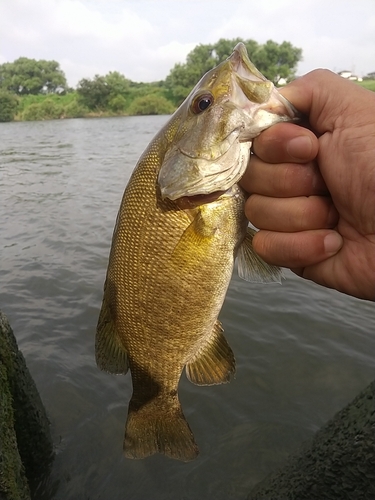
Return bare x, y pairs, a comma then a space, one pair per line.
169, 268
160, 306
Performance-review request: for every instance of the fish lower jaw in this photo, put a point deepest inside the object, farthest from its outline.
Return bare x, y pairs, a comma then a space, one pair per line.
186, 202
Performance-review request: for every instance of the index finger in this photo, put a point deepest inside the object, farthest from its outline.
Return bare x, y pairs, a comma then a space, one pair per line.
286, 143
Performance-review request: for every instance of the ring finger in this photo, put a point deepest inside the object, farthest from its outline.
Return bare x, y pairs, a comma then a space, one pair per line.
291, 214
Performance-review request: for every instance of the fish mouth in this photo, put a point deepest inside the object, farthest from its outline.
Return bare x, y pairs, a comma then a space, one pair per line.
186, 175
203, 178
186, 202
243, 67
215, 150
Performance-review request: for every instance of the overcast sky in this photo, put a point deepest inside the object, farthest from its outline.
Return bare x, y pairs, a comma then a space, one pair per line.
143, 39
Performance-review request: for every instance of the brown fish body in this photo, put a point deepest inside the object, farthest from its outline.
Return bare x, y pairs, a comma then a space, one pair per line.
155, 289
168, 273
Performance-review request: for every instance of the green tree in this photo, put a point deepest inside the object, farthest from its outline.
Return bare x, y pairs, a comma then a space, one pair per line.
118, 84
94, 93
47, 109
74, 109
51, 106
51, 110
277, 61
272, 59
29, 76
100, 93
152, 104
33, 112
8, 106
183, 77
117, 103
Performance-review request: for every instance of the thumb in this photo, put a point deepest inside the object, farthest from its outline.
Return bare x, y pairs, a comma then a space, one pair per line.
324, 96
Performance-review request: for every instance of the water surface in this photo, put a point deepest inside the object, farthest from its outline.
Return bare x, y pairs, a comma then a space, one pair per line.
302, 351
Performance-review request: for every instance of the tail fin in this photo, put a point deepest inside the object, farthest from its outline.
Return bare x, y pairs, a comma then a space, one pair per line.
157, 428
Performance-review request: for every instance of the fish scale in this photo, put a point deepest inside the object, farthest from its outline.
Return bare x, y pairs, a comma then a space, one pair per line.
170, 266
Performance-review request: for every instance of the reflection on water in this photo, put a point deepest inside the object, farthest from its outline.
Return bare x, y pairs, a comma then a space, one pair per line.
302, 351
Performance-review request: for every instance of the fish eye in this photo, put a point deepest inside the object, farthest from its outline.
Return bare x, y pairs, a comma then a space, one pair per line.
202, 102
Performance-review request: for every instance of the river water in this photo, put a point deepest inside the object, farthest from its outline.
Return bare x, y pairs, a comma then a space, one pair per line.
302, 351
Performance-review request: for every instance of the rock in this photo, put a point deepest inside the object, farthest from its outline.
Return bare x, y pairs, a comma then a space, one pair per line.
26, 449
338, 464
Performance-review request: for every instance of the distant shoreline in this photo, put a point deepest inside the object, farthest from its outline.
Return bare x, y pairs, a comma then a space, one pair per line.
64, 106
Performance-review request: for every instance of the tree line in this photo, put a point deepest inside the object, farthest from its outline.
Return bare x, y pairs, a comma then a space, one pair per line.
37, 89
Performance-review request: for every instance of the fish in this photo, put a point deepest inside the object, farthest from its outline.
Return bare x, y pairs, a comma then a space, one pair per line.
179, 229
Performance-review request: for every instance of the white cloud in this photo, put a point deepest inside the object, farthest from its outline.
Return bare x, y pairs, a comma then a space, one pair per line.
75, 19
143, 39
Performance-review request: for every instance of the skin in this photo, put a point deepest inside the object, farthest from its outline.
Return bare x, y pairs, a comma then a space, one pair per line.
312, 190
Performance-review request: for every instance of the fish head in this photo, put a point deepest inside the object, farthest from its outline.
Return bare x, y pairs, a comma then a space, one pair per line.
214, 126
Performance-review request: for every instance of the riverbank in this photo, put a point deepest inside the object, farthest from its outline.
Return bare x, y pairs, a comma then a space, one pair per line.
55, 106
69, 105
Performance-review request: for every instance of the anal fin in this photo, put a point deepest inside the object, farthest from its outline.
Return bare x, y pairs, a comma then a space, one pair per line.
214, 363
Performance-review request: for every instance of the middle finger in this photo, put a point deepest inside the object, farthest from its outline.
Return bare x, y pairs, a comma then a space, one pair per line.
283, 179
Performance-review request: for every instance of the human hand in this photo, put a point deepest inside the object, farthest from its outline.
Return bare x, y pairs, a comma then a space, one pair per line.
313, 196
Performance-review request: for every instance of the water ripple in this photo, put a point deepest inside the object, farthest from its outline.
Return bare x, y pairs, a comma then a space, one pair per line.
302, 351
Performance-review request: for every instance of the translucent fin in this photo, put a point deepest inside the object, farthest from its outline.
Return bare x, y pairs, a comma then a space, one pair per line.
214, 363
109, 352
194, 240
157, 427
251, 267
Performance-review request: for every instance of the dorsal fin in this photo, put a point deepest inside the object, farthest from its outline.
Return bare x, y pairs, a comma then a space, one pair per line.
110, 354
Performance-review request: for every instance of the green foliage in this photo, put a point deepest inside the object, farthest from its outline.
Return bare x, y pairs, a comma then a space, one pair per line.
183, 77
152, 104
118, 84
276, 61
75, 109
53, 106
44, 93
117, 104
94, 93
98, 93
368, 84
116, 94
8, 106
29, 76
33, 112
51, 110
273, 60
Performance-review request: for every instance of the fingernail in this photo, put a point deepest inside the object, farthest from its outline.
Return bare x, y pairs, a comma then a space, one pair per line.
332, 243
300, 148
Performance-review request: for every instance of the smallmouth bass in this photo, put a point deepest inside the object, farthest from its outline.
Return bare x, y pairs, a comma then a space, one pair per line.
180, 226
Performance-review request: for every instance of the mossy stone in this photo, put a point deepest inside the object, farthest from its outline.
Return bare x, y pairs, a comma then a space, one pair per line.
26, 448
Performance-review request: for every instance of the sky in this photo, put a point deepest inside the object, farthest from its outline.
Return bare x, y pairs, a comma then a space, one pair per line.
144, 39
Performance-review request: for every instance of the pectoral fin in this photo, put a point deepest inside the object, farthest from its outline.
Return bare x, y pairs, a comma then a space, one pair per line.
214, 363
110, 354
195, 240
251, 267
